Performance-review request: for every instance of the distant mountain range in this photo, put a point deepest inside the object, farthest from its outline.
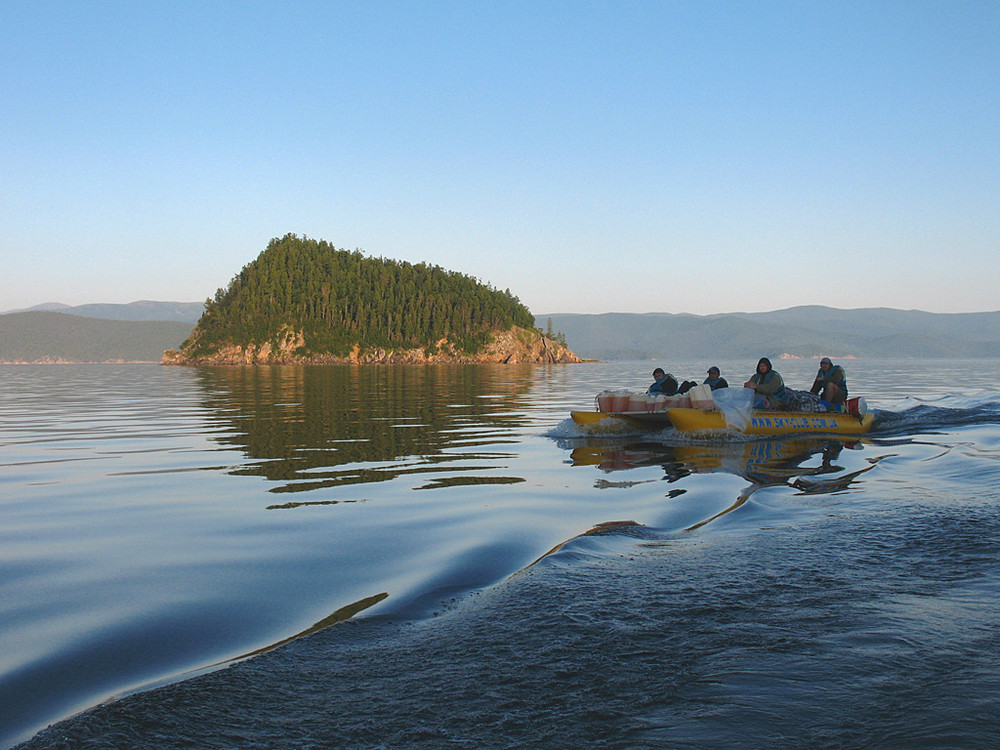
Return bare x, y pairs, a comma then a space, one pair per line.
809, 331
41, 336
188, 312
142, 331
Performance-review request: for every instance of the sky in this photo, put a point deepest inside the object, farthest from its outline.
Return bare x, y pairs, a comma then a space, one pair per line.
684, 156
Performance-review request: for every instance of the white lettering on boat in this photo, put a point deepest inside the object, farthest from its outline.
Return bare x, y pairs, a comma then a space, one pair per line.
795, 423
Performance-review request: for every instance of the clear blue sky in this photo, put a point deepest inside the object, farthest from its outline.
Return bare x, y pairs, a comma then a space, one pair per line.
625, 156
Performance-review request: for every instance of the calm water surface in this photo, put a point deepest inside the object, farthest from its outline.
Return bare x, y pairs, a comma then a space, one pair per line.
500, 578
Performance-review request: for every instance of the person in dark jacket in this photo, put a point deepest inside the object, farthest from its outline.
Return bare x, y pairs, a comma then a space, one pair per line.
665, 383
715, 379
768, 384
831, 382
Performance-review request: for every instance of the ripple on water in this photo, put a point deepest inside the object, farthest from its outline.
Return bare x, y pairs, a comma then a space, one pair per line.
847, 631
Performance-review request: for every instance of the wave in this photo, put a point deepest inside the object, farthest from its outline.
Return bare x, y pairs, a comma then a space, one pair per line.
932, 415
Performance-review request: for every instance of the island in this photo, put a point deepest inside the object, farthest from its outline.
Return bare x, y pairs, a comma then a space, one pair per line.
303, 301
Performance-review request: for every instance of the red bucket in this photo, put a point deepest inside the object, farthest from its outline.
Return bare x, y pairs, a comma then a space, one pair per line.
856, 406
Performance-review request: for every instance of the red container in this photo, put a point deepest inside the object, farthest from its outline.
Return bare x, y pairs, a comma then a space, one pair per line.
620, 401
637, 402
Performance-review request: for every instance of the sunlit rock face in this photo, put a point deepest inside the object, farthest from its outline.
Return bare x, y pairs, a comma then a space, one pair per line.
514, 346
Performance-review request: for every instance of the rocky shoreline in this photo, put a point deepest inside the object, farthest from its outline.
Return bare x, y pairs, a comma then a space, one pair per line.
515, 346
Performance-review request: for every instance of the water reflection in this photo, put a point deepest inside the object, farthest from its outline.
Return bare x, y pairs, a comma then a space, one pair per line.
763, 463
315, 427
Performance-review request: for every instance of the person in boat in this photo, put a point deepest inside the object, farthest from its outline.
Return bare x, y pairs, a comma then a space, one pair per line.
665, 383
830, 383
768, 385
715, 381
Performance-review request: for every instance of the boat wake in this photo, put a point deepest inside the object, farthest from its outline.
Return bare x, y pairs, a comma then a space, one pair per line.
568, 430
915, 415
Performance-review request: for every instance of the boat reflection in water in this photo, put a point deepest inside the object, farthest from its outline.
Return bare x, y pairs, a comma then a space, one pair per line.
806, 465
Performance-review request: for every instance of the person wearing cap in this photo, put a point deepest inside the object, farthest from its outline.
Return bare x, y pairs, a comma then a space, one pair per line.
831, 382
715, 379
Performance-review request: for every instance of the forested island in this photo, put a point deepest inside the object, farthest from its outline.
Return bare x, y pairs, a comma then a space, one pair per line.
304, 301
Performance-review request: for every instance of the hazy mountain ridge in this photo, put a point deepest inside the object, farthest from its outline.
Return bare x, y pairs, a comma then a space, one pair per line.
187, 312
42, 336
809, 331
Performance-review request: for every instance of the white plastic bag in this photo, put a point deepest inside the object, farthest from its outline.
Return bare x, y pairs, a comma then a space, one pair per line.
736, 405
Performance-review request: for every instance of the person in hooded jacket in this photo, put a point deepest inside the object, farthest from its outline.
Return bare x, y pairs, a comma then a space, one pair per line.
769, 386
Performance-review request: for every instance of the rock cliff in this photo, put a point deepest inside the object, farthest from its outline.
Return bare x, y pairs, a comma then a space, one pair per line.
514, 346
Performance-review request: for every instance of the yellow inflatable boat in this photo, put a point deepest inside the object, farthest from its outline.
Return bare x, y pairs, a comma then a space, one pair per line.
761, 421
765, 422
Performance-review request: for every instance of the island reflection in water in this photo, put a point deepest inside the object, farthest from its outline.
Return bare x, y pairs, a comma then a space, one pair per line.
310, 428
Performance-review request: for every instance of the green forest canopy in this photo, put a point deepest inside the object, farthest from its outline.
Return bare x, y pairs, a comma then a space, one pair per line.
338, 298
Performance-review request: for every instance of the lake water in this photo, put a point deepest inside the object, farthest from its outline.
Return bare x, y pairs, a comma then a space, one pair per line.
443, 559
